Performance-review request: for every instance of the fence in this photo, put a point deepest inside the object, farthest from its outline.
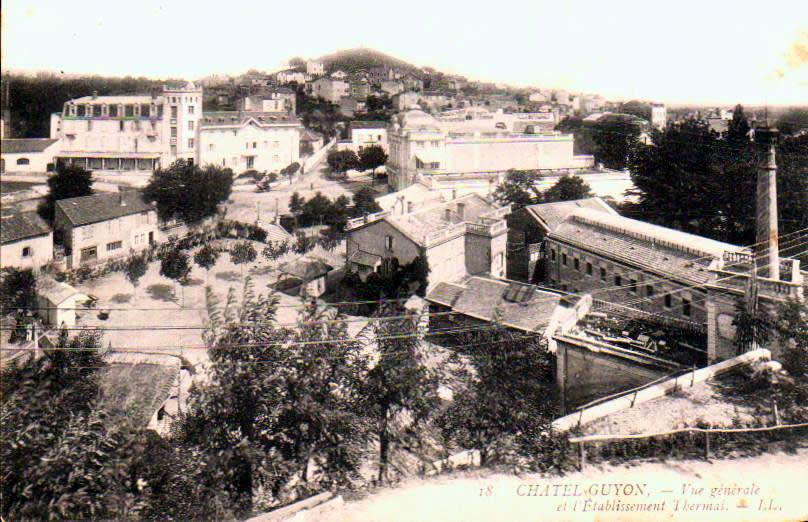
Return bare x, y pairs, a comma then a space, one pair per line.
315, 159
652, 449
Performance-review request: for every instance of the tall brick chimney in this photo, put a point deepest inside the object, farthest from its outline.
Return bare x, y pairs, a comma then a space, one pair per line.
767, 251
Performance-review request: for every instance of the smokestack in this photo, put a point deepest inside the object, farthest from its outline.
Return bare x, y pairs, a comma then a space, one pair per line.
767, 252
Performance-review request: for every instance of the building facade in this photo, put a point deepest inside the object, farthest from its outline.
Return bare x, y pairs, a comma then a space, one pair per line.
103, 226
367, 134
26, 241
315, 68
273, 99
329, 89
659, 115
240, 141
28, 155
129, 133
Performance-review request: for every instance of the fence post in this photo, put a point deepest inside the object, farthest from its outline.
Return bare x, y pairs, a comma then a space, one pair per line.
693, 375
707, 445
582, 455
776, 414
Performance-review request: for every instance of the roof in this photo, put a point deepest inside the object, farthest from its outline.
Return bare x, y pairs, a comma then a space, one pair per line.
21, 146
310, 135
430, 155
417, 193
124, 98
136, 391
229, 118
55, 291
102, 207
306, 269
22, 225
526, 308
718, 124
650, 247
432, 219
365, 259
550, 215
368, 125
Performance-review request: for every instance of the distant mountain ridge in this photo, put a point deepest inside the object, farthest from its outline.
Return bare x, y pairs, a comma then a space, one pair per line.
353, 60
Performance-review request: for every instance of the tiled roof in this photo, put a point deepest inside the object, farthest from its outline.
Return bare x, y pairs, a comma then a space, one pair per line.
551, 214
433, 218
102, 207
216, 118
368, 125
650, 247
306, 269
25, 145
124, 98
484, 299
21, 225
54, 291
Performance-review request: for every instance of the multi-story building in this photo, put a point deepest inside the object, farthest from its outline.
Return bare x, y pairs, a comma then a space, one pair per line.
103, 226
367, 134
659, 115
329, 89
339, 75
264, 141
315, 68
273, 99
132, 132
538, 97
422, 146
461, 237
360, 90
412, 82
405, 100
291, 76
392, 87
26, 241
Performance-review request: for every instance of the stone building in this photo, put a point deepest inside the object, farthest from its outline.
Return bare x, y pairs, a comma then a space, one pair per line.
26, 241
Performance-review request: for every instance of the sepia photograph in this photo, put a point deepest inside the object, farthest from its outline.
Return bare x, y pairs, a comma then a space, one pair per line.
413, 261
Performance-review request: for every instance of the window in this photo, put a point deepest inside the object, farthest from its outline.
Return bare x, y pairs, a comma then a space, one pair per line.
23, 161
649, 290
190, 109
603, 274
276, 158
618, 281
552, 254
211, 147
250, 162
255, 144
686, 307
115, 245
190, 143
173, 150
190, 125
96, 109
128, 111
589, 269
112, 110
276, 144
577, 263
668, 301
26, 251
120, 125
634, 286
564, 259
174, 112
173, 132
145, 110
89, 125
388, 242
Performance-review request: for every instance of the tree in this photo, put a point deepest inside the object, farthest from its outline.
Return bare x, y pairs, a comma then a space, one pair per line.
371, 158
792, 330
186, 192
135, 268
400, 390
341, 161
242, 253
614, 139
70, 181
303, 243
290, 170
738, 128
314, 210
175, 266
365, 202
206, 258
568, 188
637, 108
275, 250
505, 386
17, 290
519, 189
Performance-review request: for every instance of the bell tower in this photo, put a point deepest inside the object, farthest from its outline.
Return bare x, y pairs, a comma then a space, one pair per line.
767, 253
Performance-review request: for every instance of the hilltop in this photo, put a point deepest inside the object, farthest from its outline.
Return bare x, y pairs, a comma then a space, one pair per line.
351, 60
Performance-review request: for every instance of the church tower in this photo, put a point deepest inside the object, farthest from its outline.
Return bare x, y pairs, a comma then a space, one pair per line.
767, 252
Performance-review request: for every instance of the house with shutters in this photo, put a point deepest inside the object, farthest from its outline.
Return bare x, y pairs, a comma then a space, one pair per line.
458, 237
100, 227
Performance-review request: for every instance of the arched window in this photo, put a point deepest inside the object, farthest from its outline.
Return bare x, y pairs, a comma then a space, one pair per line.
23, 161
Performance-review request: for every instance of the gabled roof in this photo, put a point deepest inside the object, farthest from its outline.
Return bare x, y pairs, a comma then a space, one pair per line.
238, 118
55, 291
306, 269
21, 146
484, 298
549, 215
21, 225
102, 207
368, 125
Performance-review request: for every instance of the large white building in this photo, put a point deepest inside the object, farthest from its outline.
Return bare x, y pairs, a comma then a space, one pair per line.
422, 146
329, 89
264, 141
659, 115
131, 132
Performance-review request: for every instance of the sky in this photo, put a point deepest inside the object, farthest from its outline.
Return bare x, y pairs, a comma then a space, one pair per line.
677, 52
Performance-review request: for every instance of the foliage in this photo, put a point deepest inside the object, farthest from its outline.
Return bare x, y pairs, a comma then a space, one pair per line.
371, 158
793, 120
510, 391
187, 192
792, 331
174, 264
243, 253
17, 290
568, 188
135, 268
393, 281
400, 391
614, 139
70, 181
306, 148
303, 243
275, 250
340, 161
365, 202
206, 257
518, 189
296, 203
314, 210
636, 108
753, 326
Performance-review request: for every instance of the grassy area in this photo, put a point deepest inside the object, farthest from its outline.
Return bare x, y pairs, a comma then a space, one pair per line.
7, 187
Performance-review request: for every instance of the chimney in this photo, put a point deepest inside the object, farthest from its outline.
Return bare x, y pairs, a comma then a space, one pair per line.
448, 214
461, 211
767, 252
454, 193
95, 95
409, 207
